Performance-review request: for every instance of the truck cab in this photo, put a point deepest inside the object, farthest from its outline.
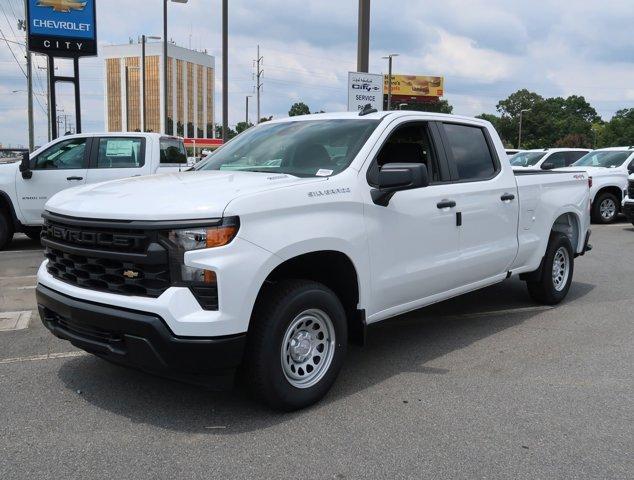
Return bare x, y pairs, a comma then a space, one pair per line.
76, 160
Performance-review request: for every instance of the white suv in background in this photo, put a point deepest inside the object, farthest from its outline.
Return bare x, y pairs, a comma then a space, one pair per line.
546, 158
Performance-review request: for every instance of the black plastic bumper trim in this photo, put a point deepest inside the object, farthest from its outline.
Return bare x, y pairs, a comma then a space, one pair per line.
140, 340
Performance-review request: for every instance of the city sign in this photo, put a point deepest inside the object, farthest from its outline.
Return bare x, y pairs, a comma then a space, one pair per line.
363, 89
416, 86
62, 28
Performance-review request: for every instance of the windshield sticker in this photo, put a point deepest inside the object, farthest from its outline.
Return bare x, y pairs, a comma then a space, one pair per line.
323, 172
332, 191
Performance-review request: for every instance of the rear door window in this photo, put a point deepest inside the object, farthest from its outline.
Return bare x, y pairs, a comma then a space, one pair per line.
572, 157
557, 159
470, 151
120, 152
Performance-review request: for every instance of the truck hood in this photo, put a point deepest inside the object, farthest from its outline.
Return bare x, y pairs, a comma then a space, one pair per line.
171, 196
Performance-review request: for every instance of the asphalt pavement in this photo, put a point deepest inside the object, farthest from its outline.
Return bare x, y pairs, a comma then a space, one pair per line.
488, 385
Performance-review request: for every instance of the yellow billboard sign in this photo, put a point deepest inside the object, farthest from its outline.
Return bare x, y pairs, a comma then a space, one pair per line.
415, 85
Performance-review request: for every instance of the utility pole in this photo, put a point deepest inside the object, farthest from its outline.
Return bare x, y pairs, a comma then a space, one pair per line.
258, 83
519, 137
29, 81
389, 79
363, 41
225, 70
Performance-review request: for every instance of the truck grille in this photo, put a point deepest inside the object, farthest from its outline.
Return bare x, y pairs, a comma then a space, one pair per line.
630, 190
124, 261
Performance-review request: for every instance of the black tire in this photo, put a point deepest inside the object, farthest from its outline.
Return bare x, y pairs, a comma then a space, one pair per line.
6, 230
545, 289
33, 233
279, 308
597, 217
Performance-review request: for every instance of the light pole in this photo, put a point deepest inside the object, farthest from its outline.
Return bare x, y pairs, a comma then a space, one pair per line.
144, 39
165, 93
246, 118
519, 137
225, 67
389, 78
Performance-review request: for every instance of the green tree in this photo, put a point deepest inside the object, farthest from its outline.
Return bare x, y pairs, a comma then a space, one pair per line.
546, 122
619, 131
298, 108
242, 126
230, 132
441, 106
266, 119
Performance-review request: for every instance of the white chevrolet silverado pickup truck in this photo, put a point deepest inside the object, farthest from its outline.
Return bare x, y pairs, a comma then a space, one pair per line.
77, 160
608, 169
286, 243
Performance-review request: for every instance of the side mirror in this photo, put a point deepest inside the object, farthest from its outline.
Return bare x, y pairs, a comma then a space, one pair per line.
394, 177
548, 166
25, 166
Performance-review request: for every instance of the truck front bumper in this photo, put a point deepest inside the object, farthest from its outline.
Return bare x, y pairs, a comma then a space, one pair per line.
141, 340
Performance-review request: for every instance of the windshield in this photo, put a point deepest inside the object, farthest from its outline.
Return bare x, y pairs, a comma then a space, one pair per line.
302, 148
526, 159
605, 158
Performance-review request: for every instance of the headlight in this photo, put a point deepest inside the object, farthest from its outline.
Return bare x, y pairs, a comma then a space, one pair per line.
204, 237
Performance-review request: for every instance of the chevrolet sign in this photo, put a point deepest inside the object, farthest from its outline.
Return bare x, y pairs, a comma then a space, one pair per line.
62, 28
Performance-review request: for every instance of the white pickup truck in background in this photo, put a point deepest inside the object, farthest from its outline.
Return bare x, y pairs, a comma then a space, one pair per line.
546, 158
291, 239
75, 160
608, 169
628, 201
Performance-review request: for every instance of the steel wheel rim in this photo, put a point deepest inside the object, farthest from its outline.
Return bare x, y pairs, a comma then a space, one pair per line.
308, 348
561, 268
607, 208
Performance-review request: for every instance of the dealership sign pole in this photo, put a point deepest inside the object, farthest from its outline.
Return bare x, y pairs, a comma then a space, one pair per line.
363, 89
63, 29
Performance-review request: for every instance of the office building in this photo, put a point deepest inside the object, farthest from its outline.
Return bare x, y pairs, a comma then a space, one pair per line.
190, 87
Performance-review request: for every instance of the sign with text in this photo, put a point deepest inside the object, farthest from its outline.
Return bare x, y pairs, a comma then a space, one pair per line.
364, 88
416, 85
63, 28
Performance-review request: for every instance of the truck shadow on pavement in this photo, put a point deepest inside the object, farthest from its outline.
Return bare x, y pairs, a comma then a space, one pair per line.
404, 344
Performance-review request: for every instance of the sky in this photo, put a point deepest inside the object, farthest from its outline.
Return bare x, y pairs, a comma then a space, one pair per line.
485, 49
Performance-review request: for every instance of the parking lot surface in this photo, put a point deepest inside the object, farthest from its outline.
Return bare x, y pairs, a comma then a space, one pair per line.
488, 385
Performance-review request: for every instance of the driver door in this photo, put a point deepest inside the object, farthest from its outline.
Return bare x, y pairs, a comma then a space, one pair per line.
413, 241
61, 166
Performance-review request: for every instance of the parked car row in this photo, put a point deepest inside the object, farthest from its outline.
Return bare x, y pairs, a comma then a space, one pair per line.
608, 169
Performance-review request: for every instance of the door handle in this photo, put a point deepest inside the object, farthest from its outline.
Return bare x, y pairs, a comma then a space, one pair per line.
507, 197
446, 204
74, 178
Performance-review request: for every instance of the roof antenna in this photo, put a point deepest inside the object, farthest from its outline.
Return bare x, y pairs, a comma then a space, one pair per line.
367, 109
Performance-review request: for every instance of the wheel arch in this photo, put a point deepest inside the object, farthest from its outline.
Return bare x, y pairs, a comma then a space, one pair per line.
570, 225
332, 268
614, 190
6, 206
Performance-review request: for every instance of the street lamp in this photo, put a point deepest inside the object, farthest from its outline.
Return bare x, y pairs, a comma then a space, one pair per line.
519, 138
144, 39
389, 78
165, 96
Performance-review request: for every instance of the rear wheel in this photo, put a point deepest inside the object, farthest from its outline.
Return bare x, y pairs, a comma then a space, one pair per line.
6, 230
556, 272
605, 208
296, 344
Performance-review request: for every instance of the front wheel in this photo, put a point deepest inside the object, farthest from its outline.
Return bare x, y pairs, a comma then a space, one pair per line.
556, 273
605, 208
296, 344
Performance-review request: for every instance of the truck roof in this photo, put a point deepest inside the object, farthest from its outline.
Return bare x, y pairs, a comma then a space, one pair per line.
117, 134
377, 116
